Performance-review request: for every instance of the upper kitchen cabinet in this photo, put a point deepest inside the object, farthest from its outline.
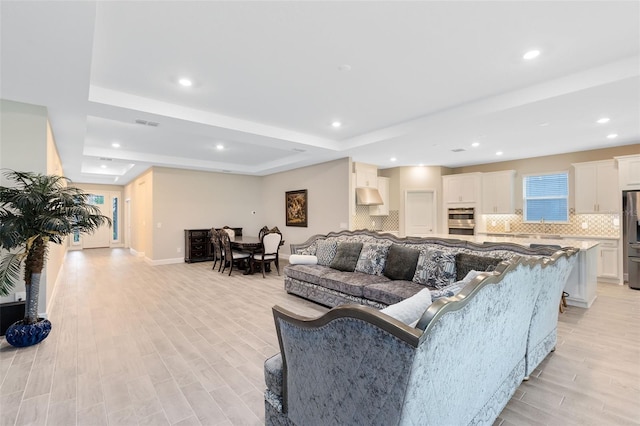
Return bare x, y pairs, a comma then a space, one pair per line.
629, 172
383, 189
596, 187
461, 188
497, 192
366, 175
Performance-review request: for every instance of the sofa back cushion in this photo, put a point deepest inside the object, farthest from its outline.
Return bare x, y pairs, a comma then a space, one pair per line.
372, 258
401, 263
469, 262
346, 257
435, 268
326, 251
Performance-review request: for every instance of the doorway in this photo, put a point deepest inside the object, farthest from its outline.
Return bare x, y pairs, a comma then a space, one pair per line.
419, 213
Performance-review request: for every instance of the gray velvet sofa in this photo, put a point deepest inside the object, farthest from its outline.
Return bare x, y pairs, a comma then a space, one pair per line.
441, 263
460, 364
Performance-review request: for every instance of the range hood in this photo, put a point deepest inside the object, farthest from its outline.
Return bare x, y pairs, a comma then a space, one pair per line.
368, 197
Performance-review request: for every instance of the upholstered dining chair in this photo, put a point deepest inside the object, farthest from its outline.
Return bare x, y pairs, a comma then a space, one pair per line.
230, 232
231, 257
269, 253
217, 249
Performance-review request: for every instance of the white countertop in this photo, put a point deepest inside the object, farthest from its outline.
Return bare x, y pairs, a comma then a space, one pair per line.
563, 236
526, 242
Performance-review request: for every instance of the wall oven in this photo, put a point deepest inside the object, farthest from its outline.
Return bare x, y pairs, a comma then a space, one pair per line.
461, 221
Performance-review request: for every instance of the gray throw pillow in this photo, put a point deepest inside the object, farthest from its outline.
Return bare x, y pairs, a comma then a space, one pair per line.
401, 263
325, 252
346, 257
469, 262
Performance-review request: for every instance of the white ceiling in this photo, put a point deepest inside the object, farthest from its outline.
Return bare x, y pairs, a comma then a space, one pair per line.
425, 78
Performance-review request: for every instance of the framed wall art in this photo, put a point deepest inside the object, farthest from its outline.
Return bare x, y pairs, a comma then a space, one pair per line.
296, 208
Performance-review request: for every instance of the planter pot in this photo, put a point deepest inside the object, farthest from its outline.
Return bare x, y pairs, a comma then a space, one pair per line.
21, 335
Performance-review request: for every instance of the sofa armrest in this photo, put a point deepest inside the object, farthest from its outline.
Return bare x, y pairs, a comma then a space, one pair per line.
349, 366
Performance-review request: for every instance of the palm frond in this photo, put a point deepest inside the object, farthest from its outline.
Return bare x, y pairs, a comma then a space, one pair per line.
10, 264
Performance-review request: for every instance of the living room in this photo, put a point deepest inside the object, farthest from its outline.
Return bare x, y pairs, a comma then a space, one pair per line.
167, 192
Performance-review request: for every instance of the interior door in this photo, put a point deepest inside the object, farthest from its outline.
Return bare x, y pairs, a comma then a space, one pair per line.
420, 213
102, 236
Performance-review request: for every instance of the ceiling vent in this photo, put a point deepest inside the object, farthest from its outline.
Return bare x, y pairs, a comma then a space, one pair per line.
299, 150
147, 123
106, 159
458, 150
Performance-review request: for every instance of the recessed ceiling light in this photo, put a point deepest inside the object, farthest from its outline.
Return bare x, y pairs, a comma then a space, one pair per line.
421, 165
393, 159
219, 147
345, 67
603, 120
185, 82
532, 54
475, 144
115, 145
499, 153
612, 136
103, 166
336, 124
545, 124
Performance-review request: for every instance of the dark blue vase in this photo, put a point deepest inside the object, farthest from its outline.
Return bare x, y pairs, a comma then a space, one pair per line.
20, 335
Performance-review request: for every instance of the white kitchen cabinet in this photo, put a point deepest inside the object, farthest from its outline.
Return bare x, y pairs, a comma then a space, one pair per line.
497, 192
461, 188
608, 260
366, 175
629, 172
383, 189
596, 187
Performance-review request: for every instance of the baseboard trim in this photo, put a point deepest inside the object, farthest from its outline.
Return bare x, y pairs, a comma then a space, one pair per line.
136, 253
164, 261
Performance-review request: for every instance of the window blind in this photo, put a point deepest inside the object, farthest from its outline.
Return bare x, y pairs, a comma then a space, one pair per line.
546, 197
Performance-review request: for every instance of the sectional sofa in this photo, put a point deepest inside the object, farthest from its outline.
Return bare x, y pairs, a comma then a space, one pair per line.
455, 360
374, 275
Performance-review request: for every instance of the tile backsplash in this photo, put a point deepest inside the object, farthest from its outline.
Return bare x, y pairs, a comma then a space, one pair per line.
606, 225
362, 220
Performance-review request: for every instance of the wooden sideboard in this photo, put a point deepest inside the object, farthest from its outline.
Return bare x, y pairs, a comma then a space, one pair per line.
197, 245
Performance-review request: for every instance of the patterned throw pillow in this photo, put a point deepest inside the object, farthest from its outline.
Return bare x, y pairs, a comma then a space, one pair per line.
326, 251
372, 258
436, 268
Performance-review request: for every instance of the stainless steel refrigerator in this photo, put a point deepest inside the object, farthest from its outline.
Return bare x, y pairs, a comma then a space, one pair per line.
631, 236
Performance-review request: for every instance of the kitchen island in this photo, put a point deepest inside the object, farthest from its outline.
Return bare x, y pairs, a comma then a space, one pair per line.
582, 282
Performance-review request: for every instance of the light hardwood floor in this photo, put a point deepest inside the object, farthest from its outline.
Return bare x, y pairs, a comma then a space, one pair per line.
182, 344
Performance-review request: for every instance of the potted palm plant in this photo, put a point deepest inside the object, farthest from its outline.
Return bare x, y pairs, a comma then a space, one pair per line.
36, 210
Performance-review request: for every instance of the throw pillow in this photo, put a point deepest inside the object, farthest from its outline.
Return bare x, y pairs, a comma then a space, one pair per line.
411, 309
346, 257
302, 259
325, 252
372, 258
468, 262
401, 263
435, 268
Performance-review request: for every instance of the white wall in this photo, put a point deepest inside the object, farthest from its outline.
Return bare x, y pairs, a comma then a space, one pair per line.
28, 144
327, 186
186, 199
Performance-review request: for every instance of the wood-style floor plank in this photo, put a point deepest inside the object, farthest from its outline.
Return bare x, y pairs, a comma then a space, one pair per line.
184, 345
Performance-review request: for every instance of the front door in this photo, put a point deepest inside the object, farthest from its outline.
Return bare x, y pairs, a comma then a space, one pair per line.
102, 236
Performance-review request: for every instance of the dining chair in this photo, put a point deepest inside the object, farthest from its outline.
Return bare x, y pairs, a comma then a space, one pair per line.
230, 232
231, 257
217, 249
270, 246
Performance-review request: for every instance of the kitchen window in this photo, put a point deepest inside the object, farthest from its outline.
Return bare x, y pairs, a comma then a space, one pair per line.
546, 197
